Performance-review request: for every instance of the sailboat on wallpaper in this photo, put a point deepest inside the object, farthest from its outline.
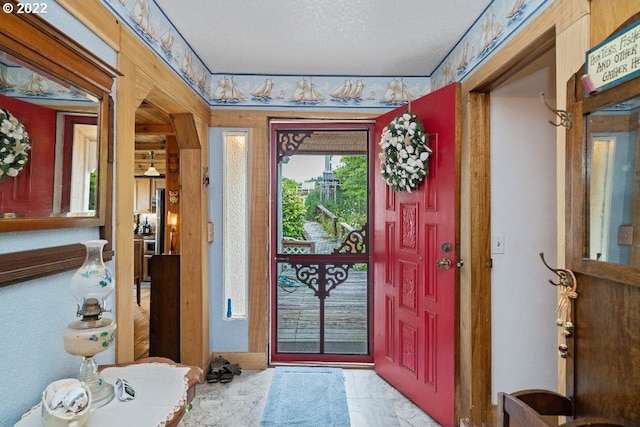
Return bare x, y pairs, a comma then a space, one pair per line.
491, 30
517, 10
306, 92
166, 41
347, 91
227, 91
141, 14
263, 91
187, 66
397, 93
465, 57
448, 73
36, 85
202, 81
6, 84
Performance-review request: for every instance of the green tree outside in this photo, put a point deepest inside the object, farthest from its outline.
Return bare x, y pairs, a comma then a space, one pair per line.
350, 204
293, 210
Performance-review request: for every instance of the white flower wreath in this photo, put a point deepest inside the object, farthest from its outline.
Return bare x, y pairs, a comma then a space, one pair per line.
404, 155
15, 145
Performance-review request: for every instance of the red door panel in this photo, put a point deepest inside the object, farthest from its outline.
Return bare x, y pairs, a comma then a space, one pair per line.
414, 298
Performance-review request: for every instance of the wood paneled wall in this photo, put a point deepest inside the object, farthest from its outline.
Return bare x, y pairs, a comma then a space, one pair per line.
608, 15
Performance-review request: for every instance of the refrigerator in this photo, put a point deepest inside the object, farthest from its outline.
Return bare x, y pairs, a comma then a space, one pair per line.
161, 220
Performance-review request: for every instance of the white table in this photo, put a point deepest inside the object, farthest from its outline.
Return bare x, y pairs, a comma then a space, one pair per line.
163, 390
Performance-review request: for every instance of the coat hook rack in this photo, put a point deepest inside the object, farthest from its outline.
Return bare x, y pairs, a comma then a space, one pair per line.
566, 277
569, 292
565, 117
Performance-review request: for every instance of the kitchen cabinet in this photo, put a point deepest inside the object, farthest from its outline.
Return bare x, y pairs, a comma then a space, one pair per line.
145, 193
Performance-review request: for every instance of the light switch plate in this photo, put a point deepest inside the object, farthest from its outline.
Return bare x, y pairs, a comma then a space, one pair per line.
625, 234
497, 244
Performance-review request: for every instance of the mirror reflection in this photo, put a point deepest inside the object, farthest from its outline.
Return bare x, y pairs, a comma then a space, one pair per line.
49, 150
613, 196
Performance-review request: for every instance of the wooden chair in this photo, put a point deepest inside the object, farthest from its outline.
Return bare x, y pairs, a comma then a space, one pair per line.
529, 407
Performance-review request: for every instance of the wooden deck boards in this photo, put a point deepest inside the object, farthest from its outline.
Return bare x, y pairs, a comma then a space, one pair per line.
346, 319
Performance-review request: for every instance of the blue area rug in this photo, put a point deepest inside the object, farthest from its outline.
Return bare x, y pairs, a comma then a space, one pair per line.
306, 397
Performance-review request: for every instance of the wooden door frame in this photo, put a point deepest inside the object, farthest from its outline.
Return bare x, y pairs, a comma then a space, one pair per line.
194, 347
257, 123
476, 299
132, 88
475, 281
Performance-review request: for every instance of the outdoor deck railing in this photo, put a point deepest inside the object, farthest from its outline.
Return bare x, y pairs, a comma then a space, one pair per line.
297, 247
326, 214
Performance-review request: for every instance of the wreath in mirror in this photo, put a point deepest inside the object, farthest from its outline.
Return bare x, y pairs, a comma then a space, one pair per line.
15, 145
404, 154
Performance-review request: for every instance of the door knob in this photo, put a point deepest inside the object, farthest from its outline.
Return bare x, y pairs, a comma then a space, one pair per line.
444, 263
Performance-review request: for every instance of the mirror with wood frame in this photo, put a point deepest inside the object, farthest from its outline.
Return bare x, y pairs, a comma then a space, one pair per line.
56, 142
604, 181
612, 176
54, 135
49, 146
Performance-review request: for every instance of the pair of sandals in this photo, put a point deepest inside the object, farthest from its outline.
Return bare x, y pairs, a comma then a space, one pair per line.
222, 371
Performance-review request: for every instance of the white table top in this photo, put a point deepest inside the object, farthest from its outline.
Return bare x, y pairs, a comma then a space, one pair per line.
161, 390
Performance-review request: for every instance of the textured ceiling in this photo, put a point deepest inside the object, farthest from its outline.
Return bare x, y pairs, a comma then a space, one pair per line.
323, 37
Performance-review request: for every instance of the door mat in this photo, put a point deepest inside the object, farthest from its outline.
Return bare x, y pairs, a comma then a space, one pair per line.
306, 397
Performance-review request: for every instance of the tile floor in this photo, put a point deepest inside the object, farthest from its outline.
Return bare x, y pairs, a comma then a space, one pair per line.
372, 402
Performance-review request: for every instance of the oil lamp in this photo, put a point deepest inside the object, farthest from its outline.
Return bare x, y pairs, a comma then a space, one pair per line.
92, 334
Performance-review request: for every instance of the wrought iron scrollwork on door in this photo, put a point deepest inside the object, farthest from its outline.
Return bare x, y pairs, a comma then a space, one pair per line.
322, 278
288, 141
354, 243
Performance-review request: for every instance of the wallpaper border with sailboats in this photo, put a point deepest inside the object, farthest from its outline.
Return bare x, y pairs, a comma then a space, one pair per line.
19, 82
499, 22
147, 20
333, 92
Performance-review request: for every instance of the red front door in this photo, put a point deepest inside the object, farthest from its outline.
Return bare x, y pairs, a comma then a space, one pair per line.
415, 290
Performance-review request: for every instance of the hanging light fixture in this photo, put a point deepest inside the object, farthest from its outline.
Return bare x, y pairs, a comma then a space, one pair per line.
152, 171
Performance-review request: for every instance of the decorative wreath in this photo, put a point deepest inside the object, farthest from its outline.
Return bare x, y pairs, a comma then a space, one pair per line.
404, 155
15, 145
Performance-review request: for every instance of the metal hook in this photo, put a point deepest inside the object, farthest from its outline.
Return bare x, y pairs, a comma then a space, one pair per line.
565, 276
565, 117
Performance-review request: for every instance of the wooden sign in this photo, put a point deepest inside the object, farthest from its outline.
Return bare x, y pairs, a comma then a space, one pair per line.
615, 60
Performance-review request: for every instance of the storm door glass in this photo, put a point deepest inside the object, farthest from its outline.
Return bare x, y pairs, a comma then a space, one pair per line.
320, 282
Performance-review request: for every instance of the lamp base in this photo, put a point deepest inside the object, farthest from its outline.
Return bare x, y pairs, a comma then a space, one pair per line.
101, 391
